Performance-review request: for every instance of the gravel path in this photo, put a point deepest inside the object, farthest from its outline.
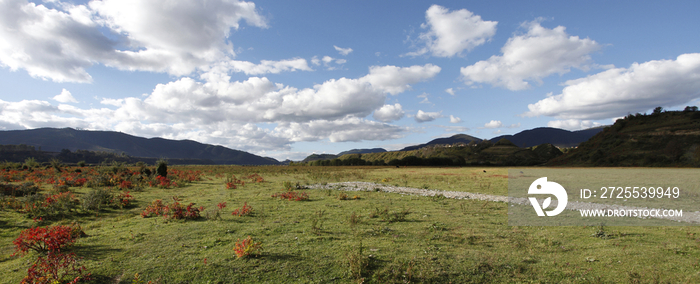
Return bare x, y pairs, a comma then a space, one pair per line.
688, 217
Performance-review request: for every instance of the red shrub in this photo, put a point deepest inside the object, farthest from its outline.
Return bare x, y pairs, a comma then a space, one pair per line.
244, 211
43, 239
55, 268
172, 211
292, 195
246, 247
126, 185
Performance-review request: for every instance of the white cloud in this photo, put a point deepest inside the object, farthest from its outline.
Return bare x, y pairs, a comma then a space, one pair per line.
514, 125
343, 51
532, 56
493, 124
572, 124
450, 33
425, 98
220, 111
315, 61
343, 130
175, 37
112, 102
395, 80
327, 61
267, 66
454, 119
388, 113
450, 91
617, 92
65, 97
422, 116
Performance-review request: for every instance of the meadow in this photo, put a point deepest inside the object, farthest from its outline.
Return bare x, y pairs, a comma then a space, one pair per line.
317, 235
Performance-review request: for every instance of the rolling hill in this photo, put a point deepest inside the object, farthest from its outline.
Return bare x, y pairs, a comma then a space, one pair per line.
659, 139
555, 136
317, 157
55, 140
459, 138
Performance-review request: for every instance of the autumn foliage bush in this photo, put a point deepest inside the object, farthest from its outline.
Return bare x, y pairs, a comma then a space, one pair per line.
243, 211
292, 195
174, 210
54, 266
247, 247
43, 239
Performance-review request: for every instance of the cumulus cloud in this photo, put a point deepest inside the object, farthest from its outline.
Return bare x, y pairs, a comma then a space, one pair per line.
388, 113
422, 116
532, 56
616, 92
343, 130
450, 33
175, 37
187, 34
450, 91
65, 97
267, 66
343, 51
493, 124
454, 119
216, 110
572, 124
395, 80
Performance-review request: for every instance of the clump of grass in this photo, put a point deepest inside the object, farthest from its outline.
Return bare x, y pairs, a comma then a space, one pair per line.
391, 217
354, 219
317, 222
601, 233
358, 263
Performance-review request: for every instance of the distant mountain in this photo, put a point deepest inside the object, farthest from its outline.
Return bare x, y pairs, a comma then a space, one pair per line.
659, 139
315, 157
362, 151
55, 140
555, 136
464, 138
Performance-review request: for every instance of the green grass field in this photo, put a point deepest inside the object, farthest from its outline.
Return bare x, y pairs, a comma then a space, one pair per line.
392, 238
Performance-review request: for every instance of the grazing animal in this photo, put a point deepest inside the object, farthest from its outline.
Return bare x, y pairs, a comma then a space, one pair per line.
484, 170
397, 167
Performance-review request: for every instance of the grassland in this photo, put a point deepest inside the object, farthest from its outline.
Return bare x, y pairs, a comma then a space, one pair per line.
393, 238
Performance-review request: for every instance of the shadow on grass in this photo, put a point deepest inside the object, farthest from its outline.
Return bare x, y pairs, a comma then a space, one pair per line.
93, 251
278, 256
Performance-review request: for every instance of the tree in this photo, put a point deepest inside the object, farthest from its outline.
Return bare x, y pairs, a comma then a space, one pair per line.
162, 169
658, 110
691, 108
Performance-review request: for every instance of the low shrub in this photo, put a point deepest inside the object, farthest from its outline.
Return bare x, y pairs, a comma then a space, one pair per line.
247, 247
292, 195
56, 267
172, 211
95, 199
233, 181
44, 239
243, 211
23, 189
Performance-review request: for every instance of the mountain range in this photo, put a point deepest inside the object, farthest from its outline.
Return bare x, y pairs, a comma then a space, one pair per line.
57, 139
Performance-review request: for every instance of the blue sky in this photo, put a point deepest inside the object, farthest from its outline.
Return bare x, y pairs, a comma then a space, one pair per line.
289, 78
